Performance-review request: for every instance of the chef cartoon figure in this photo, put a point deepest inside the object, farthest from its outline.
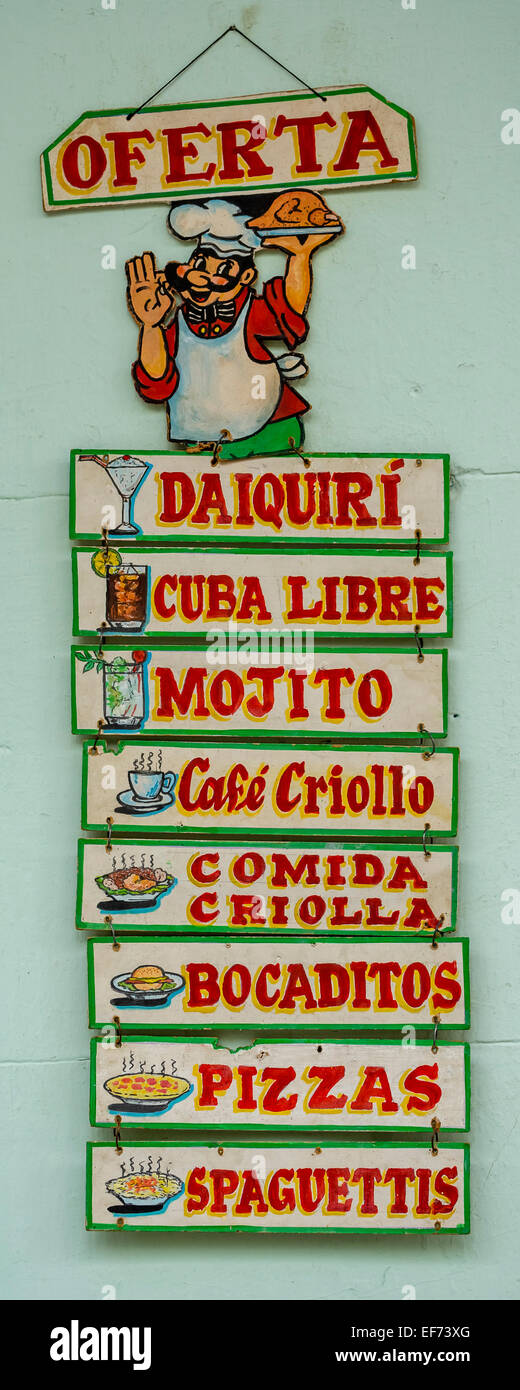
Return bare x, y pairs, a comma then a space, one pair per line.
204, 331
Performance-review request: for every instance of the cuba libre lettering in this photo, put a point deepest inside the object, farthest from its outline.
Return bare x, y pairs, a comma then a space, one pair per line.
360, 987
380, 791
331, 600
229, 151
395, 1189
204, 694
276, 1090
342, 500
262, 891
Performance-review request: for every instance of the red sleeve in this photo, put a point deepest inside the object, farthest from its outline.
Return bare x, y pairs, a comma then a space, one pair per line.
271, 315
159, 388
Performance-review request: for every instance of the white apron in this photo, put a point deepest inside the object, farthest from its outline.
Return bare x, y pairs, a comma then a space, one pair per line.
216, 390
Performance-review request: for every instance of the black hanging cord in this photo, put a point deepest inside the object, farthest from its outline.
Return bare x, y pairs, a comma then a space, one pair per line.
232, 28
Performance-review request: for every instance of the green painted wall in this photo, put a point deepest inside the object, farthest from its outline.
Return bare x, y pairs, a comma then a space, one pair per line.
423, 359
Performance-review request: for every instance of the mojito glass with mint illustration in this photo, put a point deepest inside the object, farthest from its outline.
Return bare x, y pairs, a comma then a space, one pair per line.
123, 691
124, 686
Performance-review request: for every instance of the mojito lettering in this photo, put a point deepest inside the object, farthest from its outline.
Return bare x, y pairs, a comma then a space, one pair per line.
203, 694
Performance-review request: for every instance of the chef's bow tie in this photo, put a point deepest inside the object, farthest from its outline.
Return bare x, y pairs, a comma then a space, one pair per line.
224, 309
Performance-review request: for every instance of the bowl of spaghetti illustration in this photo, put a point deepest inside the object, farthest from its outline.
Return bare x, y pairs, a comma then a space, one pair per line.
145, 1191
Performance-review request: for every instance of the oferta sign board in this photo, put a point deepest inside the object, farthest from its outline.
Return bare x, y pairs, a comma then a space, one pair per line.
264, 143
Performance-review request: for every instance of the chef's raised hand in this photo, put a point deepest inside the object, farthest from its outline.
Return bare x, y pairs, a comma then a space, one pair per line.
149, 294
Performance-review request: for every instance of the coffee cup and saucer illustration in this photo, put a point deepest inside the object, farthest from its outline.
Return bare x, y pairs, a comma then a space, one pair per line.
149, 790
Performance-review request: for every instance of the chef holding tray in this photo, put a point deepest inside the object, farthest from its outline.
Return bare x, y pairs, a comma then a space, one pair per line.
206, 357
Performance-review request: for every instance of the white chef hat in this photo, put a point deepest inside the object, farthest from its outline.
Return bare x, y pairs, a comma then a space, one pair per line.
216, 223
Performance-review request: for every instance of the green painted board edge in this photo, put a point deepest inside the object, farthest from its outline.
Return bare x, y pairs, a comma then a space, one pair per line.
462, 1229
180, 541
344, 1030
224, 190
321, 1128
252, 836
326, 736
271, 548
328, 935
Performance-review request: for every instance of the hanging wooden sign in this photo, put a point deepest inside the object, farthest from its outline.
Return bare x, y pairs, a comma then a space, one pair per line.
285, 790
204, 983
167, 887
347, 135
196, 1083
351, 690
142, 591
381, 498
288, 1187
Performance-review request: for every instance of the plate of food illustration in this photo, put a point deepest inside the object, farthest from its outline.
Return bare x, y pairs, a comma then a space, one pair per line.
148, 985
300, 213
140, 1192
146, 1093
130, 889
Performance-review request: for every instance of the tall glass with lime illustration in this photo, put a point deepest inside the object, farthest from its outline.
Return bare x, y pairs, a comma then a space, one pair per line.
124, 691
126, 597
126, 590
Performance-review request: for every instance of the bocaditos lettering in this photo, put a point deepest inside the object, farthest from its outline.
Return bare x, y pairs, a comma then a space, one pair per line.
379, 987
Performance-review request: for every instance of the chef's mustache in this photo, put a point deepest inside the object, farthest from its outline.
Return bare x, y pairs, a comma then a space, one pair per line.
179, 282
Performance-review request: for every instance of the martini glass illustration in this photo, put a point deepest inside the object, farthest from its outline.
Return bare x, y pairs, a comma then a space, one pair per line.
126, 473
